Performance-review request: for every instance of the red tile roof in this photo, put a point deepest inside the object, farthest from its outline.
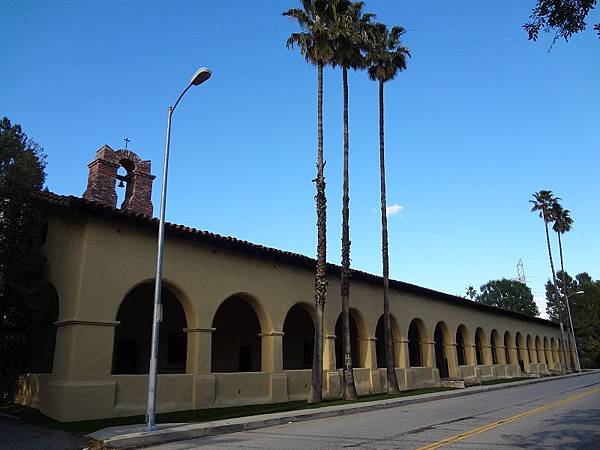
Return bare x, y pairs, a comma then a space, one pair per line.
55, 201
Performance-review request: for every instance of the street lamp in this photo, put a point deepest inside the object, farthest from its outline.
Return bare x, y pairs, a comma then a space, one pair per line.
199, 77
572, 329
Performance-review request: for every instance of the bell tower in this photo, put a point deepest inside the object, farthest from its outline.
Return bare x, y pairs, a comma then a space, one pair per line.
103, 176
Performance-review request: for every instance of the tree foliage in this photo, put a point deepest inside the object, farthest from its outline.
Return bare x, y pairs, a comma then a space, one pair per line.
562, 17
584, 298
508, 294
22, 165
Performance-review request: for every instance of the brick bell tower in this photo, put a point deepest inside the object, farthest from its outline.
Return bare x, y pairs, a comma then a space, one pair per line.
103, 176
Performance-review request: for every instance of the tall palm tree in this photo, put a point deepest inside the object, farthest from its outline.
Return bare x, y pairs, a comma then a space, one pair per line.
386, 57
315, 45
562, 224
542, 202
349, 28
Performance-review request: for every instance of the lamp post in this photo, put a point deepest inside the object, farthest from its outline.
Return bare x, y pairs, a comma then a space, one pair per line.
199, 77
572, 329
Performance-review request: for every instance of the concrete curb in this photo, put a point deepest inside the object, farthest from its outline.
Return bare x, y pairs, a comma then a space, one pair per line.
135, 436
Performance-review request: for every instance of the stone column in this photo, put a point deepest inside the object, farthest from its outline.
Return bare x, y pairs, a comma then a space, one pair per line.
428, 354
452, 358
470, 357
199, 350
403, 356
367, 353
397, 345
272, 351
329, 362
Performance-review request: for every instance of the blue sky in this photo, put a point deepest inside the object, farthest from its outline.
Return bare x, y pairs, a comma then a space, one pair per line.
480, 120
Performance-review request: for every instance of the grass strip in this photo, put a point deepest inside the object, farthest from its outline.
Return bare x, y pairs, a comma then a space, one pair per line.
34, 417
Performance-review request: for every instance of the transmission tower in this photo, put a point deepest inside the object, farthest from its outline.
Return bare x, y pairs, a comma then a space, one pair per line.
521, 271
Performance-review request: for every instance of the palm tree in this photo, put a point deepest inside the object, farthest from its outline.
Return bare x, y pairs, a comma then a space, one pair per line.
315, 45
386, 58
562, 224
349, 28
543, 202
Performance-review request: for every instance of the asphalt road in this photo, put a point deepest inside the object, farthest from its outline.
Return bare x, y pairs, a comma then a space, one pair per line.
561, 414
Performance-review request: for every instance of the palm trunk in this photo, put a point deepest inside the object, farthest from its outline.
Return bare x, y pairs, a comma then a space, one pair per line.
555, 285
567, 301
349, 387
315, 394
387, 328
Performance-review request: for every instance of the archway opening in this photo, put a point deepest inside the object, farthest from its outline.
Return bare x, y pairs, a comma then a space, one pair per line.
339, 343
461, 344
236, 343
298, 339
479, 346
507, 346
134, 333
531, 350
380, 342
41, 340
415, 347
523, 355
441, 359
494, 338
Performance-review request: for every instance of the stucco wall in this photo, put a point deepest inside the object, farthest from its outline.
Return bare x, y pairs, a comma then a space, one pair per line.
94, 262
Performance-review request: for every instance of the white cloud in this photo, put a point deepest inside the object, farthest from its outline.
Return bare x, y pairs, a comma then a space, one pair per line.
394, 209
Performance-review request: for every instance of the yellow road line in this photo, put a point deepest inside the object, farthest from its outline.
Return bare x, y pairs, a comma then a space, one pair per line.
492, 425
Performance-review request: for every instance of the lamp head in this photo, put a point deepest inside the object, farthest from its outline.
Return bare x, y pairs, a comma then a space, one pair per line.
201, 75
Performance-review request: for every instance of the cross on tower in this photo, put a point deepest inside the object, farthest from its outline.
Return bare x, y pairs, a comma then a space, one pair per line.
126, 142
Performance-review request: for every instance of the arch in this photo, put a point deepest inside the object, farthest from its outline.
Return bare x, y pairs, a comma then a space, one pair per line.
380, 341
464, 346
481, 347
442, 342
539, 349
236, 341
495, 347
131, 351
298, 338
357, 331
41, 340
417, 348
509, 345
531, 349
523, 352
548, 352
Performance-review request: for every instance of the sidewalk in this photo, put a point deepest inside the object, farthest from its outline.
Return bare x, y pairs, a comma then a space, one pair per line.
132, 436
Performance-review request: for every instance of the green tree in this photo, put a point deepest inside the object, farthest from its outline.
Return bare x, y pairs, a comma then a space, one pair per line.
563, 17
349, 28
508, 294
386, 57
584, 296
471, 293
22, 164
555, 306
314, 42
